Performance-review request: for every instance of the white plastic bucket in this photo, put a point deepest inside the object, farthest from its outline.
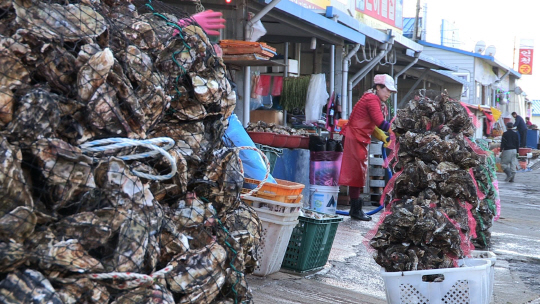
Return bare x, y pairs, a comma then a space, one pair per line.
323, 198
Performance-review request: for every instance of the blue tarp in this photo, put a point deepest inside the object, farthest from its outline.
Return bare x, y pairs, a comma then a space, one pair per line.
236, 136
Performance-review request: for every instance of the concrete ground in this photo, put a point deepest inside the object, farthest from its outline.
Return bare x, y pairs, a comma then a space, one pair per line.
352, 276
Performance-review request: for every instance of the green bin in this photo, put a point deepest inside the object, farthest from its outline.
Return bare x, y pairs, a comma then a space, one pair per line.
271, 153
310, 243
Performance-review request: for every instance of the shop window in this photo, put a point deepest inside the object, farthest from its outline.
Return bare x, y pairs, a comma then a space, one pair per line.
465, 91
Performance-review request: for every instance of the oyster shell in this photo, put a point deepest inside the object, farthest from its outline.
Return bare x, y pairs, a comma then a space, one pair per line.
6, 106
66, 171
69, 255
18, 224
196, 266
43, 19
12, 255
114, 175
39, 109
14, 72
15, 191
133, 240
58, 67
157, 294
24, 287
79, 290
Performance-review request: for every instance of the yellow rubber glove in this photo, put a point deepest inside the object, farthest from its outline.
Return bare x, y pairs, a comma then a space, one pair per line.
380, 135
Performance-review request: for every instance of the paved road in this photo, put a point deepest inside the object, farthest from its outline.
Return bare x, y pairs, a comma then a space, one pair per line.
352, 276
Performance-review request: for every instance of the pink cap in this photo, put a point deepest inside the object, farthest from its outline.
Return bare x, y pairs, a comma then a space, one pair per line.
386, 81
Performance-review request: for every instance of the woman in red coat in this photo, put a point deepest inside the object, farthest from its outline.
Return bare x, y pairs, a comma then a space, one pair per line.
365, 116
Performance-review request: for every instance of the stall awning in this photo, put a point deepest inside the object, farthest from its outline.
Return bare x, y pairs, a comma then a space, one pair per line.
311, 24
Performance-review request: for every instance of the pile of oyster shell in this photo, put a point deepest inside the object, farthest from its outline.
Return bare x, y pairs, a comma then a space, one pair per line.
486, 177
262, 126
102, 227
428, 222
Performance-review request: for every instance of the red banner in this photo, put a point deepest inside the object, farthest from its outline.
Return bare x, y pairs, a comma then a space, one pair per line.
525, 61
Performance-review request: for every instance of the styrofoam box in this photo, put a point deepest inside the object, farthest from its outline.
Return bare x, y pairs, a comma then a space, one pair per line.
377, 183
275, 238
468, 284
376, 161
293, 66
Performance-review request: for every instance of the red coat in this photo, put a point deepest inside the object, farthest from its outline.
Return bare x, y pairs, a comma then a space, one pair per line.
365, 116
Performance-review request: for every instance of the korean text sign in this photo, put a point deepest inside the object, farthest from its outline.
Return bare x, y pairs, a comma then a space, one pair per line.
525, 58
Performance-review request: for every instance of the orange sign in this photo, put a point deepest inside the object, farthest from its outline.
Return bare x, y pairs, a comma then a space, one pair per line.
525, 61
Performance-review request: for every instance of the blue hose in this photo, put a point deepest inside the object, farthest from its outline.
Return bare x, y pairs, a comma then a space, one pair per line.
389, 172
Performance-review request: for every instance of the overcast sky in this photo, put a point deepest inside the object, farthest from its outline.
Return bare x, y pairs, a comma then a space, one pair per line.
496, 22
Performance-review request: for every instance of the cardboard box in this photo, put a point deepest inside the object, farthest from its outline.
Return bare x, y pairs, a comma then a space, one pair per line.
268, 116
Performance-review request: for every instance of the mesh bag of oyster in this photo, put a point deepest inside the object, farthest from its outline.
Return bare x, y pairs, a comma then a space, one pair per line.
432, 202
115, 184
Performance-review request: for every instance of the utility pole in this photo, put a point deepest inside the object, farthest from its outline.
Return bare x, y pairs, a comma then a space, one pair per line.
514, 56
415, 31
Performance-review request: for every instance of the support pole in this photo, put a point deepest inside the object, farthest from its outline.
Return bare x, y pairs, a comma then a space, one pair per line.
286, 74
247, 94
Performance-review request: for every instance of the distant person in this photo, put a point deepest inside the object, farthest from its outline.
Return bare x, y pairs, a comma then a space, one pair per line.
522, 129
528, 122
509, 150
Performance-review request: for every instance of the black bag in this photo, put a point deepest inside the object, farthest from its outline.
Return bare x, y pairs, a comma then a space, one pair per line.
317, 143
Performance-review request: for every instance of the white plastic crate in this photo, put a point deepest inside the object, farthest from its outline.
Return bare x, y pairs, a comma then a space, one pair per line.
275, 206
274, 240
266, 214
468, 284
492, 257
273, 210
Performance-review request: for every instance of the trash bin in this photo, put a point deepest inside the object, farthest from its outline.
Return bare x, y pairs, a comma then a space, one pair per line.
532, 139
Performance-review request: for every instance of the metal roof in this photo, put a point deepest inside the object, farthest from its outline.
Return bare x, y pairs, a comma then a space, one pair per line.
375, 34
535, 107
449, 75
315, 20
485, 57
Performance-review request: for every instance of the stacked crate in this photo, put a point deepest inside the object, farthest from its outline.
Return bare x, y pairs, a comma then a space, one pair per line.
376, 175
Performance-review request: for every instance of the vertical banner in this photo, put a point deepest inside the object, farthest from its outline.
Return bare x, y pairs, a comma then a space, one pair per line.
525, 56
387, 12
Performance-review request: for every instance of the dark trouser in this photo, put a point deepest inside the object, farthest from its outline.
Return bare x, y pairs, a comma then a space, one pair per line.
523, 139
354, 192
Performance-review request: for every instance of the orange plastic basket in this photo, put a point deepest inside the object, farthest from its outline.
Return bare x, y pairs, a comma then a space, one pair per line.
284, 191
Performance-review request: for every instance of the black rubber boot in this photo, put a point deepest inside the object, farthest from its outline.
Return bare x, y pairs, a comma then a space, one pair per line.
511, 180
356, 211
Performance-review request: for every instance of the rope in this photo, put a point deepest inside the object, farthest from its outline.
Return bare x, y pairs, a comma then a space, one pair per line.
102, 145
267, 163
132, 280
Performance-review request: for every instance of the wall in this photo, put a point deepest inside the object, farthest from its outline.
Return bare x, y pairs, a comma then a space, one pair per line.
536, 120
465, 66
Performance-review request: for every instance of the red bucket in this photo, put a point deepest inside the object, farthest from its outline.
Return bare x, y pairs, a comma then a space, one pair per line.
524, 151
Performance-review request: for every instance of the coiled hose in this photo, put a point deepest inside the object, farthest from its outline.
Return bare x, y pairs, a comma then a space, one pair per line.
389, 172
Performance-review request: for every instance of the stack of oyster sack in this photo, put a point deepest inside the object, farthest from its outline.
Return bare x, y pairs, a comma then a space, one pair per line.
428, 221
489, 207
115, 185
